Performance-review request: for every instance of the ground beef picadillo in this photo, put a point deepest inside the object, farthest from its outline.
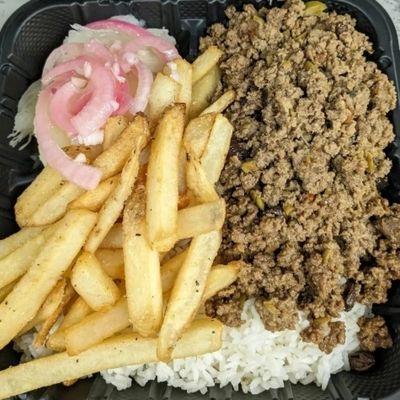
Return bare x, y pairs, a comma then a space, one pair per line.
301, 181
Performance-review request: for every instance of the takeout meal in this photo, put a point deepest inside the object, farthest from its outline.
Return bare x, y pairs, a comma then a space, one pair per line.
207, 223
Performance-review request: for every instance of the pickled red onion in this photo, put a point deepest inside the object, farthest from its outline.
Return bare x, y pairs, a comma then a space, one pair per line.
144, 82
75, 65
162, 46
118, 25
165, 49
82, 175
123, 98
101, 104
97, 49
60, 107
65, 52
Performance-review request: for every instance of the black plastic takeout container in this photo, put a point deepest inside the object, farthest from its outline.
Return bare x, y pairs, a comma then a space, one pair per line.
40, 26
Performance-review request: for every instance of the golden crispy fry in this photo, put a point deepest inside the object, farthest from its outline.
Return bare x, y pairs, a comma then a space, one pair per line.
182, 170
203, 91
77, 312
53, 201
19, 261
196, 135
97, 327
205, 62
13, 242
164, 92
113, 239
162, 179
41, 189
92, 283
198, 183
93, 199
202, 337
142, 269
112, 160
182, 73
112, 262
221, 104
113, 206
104, 324
170, 269
213, 158
221, 276
22, 304
113, 128
49, 322
204, 218
6, 290
56, 206
187, 292
49, 306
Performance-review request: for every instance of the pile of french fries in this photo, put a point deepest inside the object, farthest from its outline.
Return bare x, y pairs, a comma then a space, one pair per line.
119, 275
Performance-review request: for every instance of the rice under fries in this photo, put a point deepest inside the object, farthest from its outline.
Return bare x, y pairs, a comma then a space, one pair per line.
93, 288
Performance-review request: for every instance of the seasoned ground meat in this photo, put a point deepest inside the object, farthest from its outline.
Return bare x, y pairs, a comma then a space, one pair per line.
326, 334
373, 334
278, 314
310, 119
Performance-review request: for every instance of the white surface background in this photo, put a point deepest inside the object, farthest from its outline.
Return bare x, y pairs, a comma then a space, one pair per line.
392, 6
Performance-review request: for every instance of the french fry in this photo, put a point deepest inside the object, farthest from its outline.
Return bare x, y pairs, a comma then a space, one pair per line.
205, 62
213, 158
202, 337
204, 218
113, 206
56, 256
203, 91
93, 199
221, 104
170, 269
13, 242
113, 128
50, 321
56, 205
183, 74
113, 239
104, 324
221, 276
97, 327
77, 312
162, 179
112, 160
198, 183
19, 261
182, 170
187, 292
49, 306
196, 135
142, 269
164, 92
55, 202
6, 290
112, 262
92, 283
42, 188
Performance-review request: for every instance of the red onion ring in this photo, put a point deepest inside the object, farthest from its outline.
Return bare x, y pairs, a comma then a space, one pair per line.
82, 175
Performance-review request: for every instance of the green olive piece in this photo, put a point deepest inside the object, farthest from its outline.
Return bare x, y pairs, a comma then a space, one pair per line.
256, 197
249, 166
315, 8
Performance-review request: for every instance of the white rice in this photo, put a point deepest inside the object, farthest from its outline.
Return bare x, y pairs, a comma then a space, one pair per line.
251, 357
